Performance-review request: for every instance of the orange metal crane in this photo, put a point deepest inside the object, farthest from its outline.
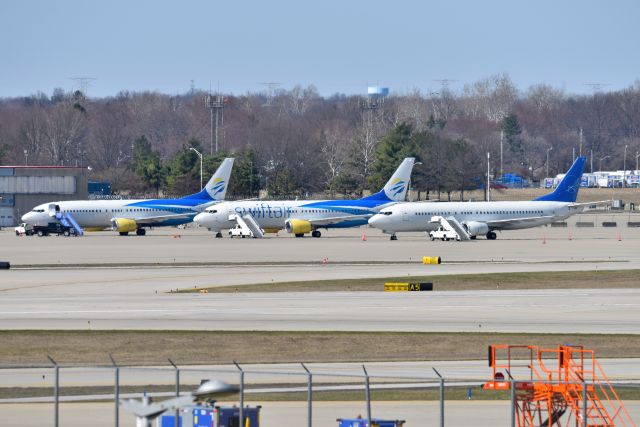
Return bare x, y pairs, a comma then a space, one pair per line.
556, 387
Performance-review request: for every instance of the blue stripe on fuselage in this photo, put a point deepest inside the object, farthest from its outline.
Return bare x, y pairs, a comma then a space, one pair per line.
347, 224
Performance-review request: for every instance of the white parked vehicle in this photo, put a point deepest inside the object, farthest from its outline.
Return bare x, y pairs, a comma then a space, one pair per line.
443, 234
239, 231
24, 229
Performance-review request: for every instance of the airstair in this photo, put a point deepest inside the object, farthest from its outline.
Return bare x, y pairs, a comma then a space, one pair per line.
451, 224
565, 386
248, 224
67, 220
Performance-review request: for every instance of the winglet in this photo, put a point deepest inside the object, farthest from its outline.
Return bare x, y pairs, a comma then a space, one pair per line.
216, 188
567, 190
396, 188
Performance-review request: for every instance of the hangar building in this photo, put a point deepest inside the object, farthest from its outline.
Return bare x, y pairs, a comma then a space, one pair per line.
23, 187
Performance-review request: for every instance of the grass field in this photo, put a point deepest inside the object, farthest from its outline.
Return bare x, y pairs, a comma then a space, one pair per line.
217, 347
455, 282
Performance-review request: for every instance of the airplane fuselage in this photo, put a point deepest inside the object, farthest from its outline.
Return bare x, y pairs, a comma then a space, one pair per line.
273, 214
525, 214
99, 213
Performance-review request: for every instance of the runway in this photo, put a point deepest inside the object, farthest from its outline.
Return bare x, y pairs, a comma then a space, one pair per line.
617, 369
536, 311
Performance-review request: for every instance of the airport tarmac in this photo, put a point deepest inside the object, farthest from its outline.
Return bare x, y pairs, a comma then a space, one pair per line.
457, 413
136, 297
197, 245
112, 293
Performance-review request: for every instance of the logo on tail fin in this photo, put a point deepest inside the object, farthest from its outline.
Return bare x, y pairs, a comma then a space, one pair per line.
397, 186
217, 186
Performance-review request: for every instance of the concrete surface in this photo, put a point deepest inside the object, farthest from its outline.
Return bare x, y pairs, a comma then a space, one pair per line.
279, 373
273, 414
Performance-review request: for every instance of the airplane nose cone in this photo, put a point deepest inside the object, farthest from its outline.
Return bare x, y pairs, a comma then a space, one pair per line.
198, 218
375, 220
25, 217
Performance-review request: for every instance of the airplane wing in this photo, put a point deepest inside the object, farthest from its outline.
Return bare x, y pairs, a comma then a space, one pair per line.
501, 223
587, 204
334, 220
150, 220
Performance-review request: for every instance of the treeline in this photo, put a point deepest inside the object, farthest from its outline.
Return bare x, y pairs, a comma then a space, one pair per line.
295, 142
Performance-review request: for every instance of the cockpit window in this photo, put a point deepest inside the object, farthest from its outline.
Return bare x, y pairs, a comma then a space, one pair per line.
38, 210
387, 213
212, 211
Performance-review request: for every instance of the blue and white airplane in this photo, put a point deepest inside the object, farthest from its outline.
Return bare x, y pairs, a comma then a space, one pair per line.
482, 218
308, 216
125, 216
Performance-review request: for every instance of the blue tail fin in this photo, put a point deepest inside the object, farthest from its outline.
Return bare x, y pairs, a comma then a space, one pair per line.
396, 188
567, 190
216, 188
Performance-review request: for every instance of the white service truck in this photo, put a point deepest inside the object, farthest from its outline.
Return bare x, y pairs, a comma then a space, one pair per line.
443, 234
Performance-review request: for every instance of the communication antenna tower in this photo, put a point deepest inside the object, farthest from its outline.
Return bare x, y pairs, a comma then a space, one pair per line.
271, 92
215, 104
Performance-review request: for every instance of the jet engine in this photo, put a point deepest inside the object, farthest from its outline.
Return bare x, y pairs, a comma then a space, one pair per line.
123, 225
475, 228
297, 226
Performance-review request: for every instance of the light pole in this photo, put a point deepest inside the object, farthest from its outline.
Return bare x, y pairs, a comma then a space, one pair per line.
488, 177
26, 156
624, 168
501, 139
600, 165
548, 149
637, 155
199, 155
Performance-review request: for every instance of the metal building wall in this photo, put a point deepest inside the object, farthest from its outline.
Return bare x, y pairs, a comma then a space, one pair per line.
32, 186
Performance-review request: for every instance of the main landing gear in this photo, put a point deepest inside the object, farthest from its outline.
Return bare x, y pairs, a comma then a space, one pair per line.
219, 235
141, 232
491, 235
316, 233
394, 237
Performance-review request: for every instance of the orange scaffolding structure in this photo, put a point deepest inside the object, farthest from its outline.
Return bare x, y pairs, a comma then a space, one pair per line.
565, 386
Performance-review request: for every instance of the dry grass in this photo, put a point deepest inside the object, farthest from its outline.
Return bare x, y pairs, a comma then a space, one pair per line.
456, 282
220, 347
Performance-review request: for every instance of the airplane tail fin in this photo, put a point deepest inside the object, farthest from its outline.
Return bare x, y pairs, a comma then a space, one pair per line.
216, 188
567, 190
396, 188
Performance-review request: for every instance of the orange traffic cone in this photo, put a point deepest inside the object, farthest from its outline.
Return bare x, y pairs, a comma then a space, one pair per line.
619, 237
544, 239
570, 236
364, 237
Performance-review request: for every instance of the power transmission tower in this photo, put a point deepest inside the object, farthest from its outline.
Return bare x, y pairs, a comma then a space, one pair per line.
271, 91
82, 83
597, 87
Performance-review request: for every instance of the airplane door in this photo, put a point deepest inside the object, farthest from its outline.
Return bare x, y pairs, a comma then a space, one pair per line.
53, 209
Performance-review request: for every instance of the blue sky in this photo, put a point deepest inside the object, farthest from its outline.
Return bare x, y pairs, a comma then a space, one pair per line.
338, 46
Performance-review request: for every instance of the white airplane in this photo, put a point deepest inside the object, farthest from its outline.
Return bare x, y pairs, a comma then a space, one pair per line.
125, 216
308, 216
482, 218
